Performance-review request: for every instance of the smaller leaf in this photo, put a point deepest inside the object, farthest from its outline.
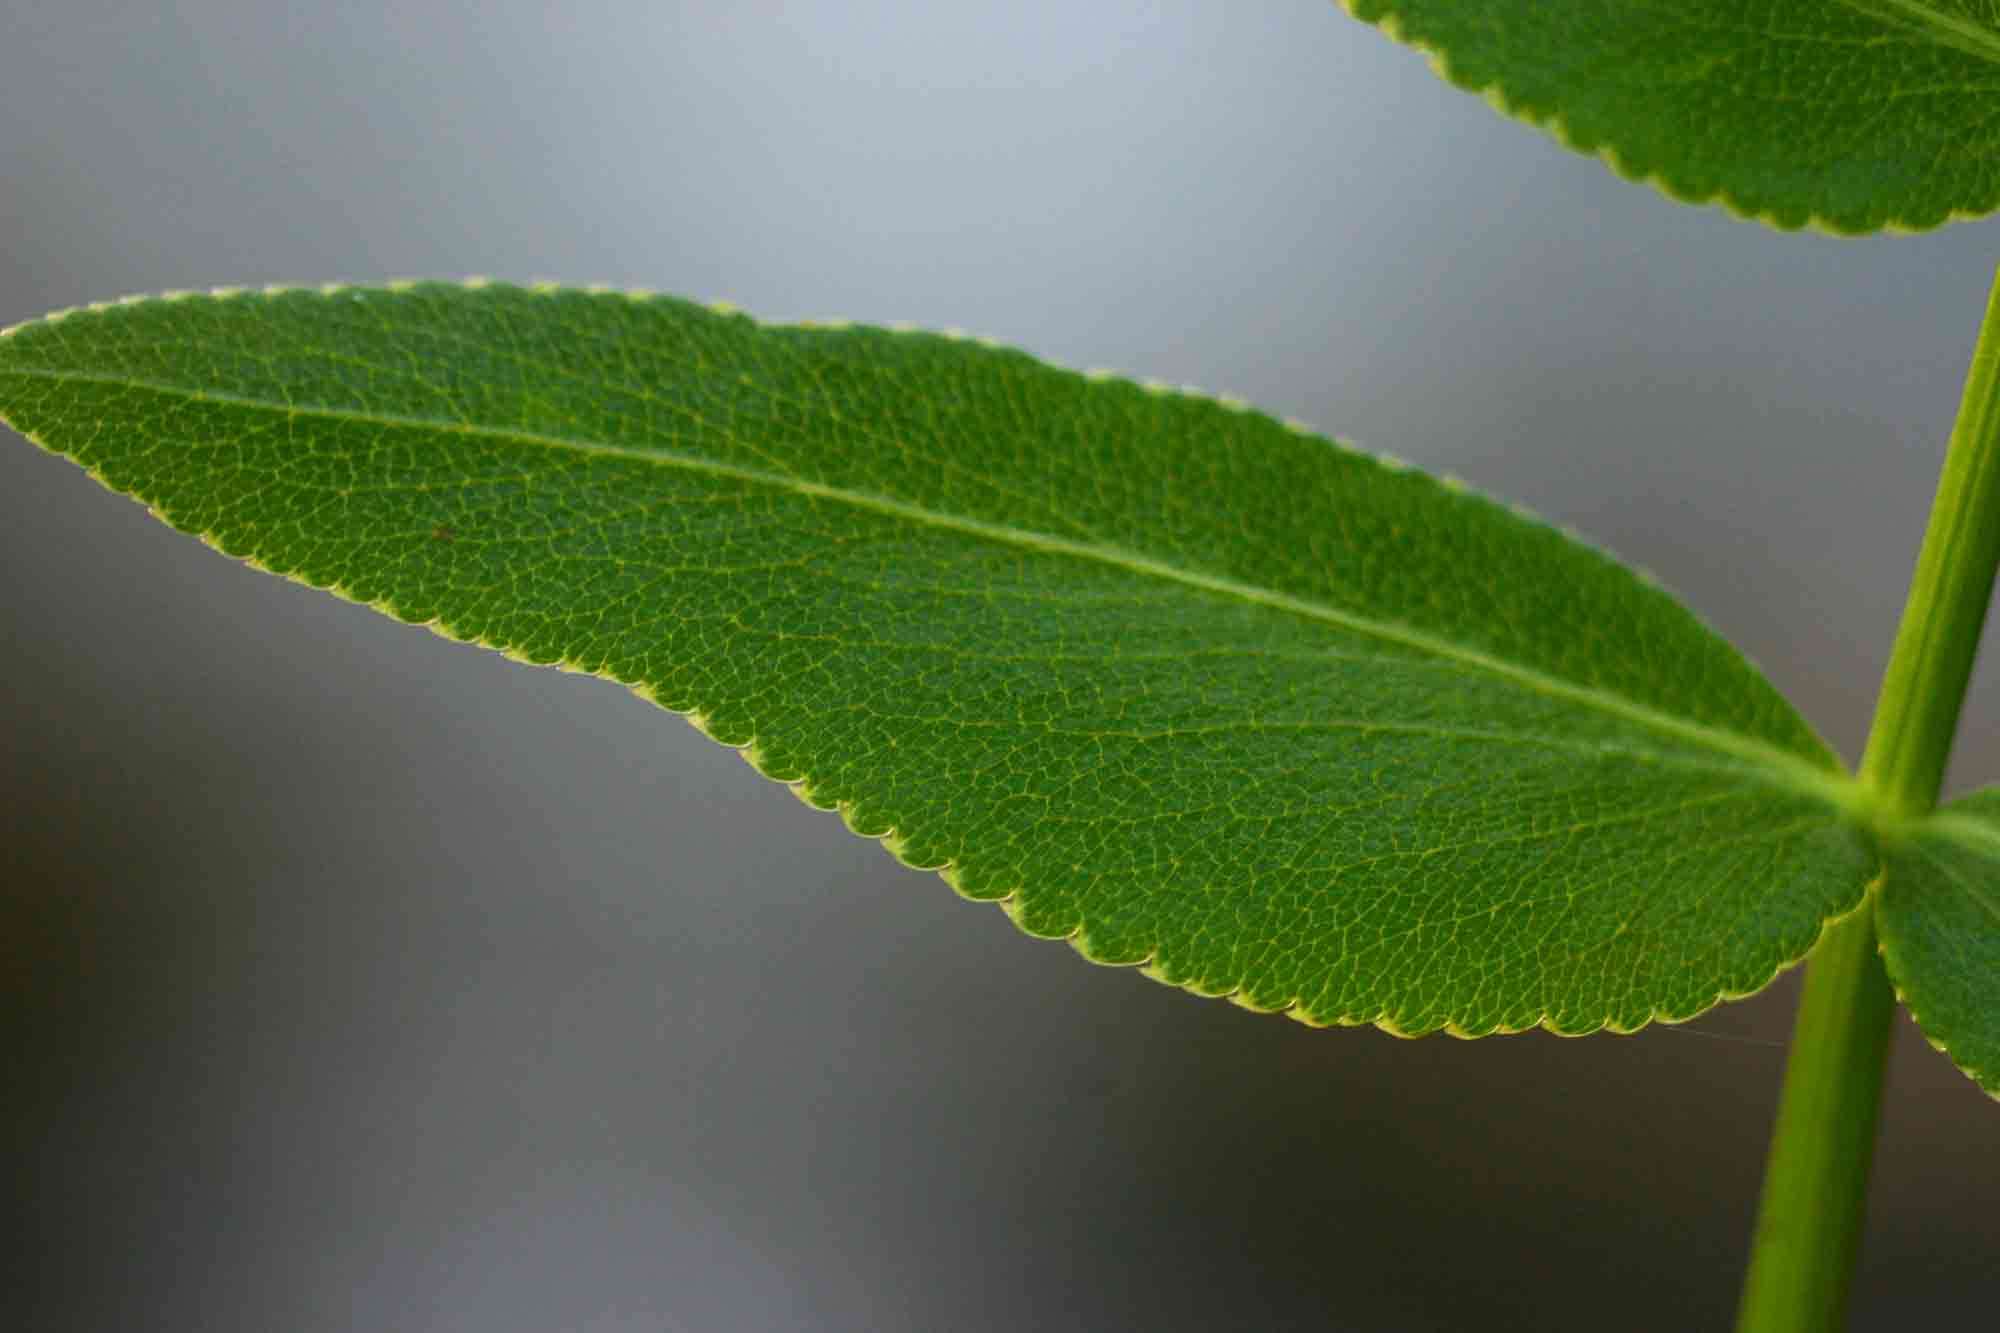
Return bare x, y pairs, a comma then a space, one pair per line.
1939, 921
1847, 115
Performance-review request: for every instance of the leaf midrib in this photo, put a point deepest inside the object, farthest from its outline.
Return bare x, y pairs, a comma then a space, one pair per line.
1780, 767
1944, 29
1969, 836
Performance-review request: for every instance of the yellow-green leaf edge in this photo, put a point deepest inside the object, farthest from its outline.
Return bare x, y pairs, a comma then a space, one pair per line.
1496, 95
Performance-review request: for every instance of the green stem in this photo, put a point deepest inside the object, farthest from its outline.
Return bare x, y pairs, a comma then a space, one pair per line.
1916, 715
1816, 1181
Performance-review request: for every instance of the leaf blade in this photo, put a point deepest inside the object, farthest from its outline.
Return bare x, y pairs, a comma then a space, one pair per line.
952, 592
1850, 117
1939, 920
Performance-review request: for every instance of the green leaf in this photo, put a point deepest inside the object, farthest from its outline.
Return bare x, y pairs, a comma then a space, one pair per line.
1184, 685
1939, 920
1850, 115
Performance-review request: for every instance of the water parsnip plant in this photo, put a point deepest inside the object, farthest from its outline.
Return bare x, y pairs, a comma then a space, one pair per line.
1191, 688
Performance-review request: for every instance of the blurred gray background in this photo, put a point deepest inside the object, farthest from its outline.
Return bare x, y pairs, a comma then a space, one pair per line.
358, 980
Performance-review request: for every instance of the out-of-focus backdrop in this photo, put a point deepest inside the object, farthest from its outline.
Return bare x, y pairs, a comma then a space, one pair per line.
359, 980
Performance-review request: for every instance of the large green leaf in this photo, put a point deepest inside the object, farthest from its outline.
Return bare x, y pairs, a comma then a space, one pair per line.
1189, 687
1853, 115
1939, 921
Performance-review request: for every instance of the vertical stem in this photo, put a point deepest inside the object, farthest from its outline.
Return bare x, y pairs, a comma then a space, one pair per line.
1816, 1180
1916, 715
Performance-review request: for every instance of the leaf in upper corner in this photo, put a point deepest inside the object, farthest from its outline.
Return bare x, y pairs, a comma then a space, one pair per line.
1192, 688
1939, 921
1852, 115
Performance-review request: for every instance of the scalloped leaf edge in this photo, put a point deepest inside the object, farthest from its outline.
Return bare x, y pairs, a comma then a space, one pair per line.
1496, 95
1986, 1080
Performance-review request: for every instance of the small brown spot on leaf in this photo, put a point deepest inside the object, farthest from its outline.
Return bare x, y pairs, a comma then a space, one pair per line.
443, 533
